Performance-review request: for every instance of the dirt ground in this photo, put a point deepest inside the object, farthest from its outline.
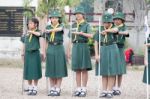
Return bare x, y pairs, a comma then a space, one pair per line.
11, 85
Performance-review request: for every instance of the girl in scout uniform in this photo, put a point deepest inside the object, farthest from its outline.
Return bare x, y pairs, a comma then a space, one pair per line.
119, 20
147, 63
81, 61
107, 55
31, 56
56, 67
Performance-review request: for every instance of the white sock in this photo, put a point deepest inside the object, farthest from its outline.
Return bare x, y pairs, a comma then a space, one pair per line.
30, 87
58, 89
52, 88
78, 89
115, 88
104, 91
35, 87
110, 91
83, 88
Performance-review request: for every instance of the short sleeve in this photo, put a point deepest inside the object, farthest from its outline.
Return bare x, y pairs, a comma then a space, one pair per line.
89, 29
96, 36
22, 38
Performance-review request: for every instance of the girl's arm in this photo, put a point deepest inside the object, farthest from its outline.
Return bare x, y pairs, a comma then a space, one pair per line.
123, 32
54, 30
112, 30
96, 51
35, 33
22, 51
89, 35
69, 49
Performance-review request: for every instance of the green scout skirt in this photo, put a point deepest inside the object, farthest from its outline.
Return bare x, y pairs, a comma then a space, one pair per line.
32, 65
145, 71
109, 61
56, 66
81, 59
122, 60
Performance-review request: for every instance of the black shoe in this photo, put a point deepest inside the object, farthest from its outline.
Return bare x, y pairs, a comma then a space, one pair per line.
26, 90
76, 93
34, 92
51, 93
109, 95
103, 94
29, 92
82, 94
116, 92
56, 93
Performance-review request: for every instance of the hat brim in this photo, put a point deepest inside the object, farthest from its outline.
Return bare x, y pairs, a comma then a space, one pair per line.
107, 22
118, 18
79, 13
55, 16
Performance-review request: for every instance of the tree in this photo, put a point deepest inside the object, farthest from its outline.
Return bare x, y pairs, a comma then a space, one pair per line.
28, 11
45, 6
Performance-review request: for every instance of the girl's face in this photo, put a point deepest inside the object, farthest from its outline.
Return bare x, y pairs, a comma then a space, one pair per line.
79, 16
107, 24
31, 25
54, 20
118, 21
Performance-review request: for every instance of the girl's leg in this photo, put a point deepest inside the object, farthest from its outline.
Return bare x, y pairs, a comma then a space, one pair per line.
78, 82
84, 83
29, 82
30, 87
119, 80
52, 82
111, 81
58, 84
104, 82
104, 86
84, 78
78, 78
115, 82
35, 87
35, 82
52, 86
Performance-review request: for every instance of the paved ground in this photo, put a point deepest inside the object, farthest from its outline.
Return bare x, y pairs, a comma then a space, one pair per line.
11, 79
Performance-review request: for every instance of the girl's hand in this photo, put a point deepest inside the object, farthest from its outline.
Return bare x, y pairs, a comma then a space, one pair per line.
145, 62
103, 32
97, 58
77, 33
47, 31
68, 55
30, 32
22, 57
43, 57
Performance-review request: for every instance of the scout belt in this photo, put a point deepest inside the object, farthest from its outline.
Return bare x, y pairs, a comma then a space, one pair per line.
120, 45
79, 41
55, 43
107, 43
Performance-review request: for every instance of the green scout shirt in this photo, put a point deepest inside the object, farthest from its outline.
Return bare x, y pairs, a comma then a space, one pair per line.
111, 37
58, 35
121, 38
33, 44
83, 27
